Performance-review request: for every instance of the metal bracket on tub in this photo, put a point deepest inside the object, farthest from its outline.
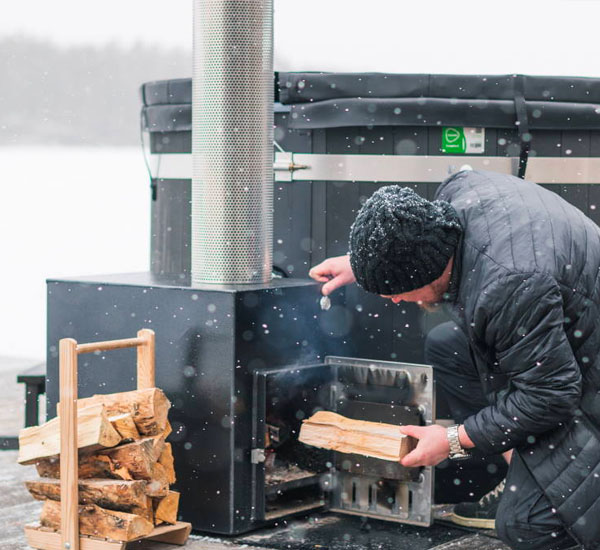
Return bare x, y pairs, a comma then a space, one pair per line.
257, 456
284, 166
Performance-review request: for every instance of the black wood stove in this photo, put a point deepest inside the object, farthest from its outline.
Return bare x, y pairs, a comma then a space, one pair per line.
243, 365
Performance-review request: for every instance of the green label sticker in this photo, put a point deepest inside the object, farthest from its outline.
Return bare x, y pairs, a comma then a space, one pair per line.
460, 141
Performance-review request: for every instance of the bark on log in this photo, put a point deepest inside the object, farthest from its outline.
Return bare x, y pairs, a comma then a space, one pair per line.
130, 461
166, 508
149, 408
137, 458
125, 425
89, 466
112, 494
332, 431
133, 460
98, 522
94, 431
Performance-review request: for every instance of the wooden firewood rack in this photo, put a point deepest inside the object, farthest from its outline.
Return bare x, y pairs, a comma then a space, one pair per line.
69, 538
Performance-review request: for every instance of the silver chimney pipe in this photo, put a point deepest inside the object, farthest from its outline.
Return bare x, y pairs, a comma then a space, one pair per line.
232, 141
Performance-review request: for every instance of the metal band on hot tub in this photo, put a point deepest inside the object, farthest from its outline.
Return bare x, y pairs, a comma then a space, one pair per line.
399, 168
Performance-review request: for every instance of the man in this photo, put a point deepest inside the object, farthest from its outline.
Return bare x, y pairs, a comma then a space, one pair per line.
518, 270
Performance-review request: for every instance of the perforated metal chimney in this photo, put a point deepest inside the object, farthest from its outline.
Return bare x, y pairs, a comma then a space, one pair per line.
232, 141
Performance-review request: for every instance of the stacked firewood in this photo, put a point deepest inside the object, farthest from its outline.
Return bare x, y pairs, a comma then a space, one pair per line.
125, 465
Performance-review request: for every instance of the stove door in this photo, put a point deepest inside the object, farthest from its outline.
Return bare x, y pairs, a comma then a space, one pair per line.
395, 393
288, 477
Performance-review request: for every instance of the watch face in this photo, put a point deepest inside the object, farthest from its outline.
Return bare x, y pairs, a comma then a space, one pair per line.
460, 456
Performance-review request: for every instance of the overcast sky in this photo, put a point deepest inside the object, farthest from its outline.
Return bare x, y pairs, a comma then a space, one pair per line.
503, 36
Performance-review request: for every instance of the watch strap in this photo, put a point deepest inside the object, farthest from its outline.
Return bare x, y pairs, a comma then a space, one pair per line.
456, 449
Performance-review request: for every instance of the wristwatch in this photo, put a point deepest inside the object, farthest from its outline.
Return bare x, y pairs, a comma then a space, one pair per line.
456, 450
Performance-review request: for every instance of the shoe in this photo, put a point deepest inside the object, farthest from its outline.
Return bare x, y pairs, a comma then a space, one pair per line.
481, 514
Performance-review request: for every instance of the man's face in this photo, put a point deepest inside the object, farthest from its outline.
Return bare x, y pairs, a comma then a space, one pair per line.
427, 297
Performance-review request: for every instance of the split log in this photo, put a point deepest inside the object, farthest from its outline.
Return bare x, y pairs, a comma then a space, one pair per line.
149, 408
158, 446
130, 461
90, 466
158, 486
98, 522
94, 431
168, 463
125, 425
165, 510
112, 494
137, 458
375, 439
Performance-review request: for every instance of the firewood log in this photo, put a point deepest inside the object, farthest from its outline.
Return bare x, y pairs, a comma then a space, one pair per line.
98, 522
137, 457
125, 425
149, 408
158, 486
158, 446
167, 462
165, 509
89, 466
94, 431
112, 494
375, 439
130, 461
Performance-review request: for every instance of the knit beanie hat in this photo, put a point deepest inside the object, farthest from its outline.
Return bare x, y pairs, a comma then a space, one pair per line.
400, 242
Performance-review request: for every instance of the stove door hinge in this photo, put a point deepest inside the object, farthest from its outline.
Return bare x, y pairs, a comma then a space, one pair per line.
257, 456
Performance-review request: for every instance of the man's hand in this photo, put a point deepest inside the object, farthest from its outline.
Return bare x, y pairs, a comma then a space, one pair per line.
335, 272
433, 446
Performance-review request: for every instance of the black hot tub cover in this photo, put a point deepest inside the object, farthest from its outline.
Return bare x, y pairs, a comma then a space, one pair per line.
327, 100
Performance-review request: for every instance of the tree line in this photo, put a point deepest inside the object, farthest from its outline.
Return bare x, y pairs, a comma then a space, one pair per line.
78, 95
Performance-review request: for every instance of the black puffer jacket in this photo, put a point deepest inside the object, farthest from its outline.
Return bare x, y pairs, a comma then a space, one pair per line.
526, 290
